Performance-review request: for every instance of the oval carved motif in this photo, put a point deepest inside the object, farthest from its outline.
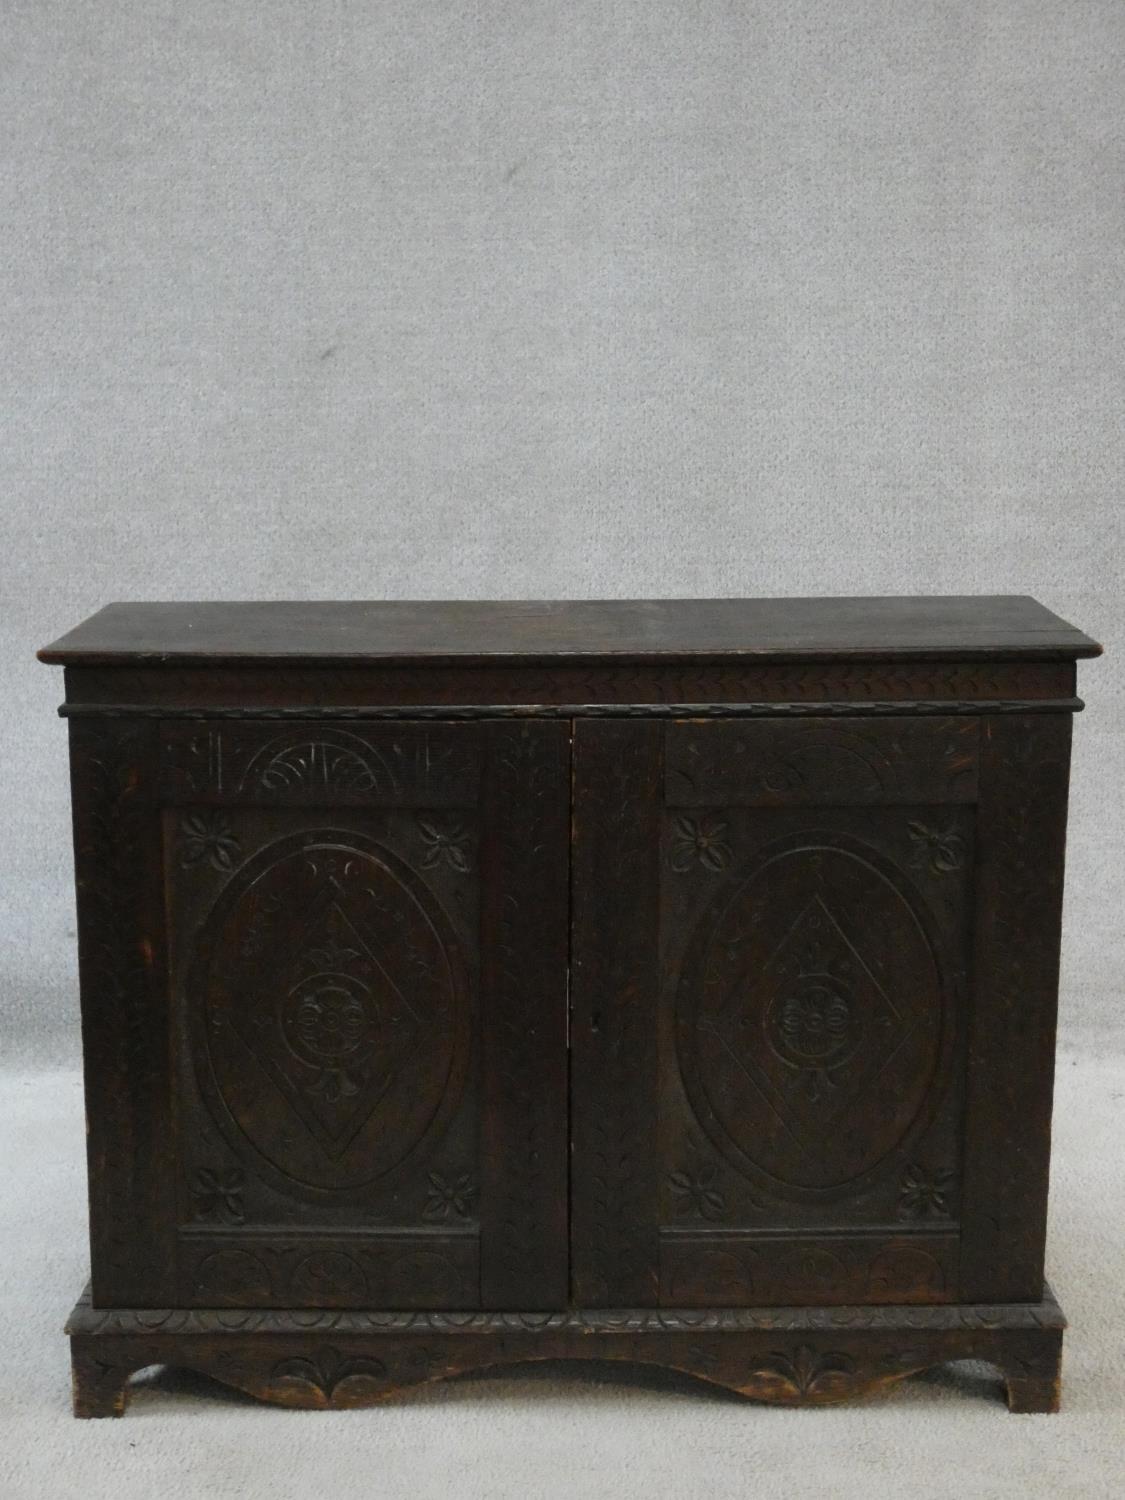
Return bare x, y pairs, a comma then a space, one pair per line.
811, 1016
329, 1011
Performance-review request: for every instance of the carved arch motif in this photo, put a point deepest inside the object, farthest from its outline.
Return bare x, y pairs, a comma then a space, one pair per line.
319, 757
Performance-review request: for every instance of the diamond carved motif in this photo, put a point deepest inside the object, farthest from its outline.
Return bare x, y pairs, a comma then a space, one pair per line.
829, 1025
328, 1004
827, 1007
341, 1026
810, 1016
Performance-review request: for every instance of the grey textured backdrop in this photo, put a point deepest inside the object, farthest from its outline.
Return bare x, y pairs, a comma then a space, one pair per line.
555, 297
317, 298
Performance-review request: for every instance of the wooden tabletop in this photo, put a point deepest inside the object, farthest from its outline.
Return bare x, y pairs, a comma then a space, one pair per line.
947, 628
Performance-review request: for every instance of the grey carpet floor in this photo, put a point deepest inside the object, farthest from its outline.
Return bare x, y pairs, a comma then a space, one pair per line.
548, 1431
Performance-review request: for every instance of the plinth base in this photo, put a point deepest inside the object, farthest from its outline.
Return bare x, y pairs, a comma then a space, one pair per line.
791, 1355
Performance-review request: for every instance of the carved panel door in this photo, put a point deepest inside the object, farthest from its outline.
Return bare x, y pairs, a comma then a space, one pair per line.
771, 952
367, 979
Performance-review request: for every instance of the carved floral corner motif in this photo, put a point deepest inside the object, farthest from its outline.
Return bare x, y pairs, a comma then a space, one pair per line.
924, 1194
446, 841
700, 841
449, 1197
696, 1195
208, 836
218, 1194
940, 851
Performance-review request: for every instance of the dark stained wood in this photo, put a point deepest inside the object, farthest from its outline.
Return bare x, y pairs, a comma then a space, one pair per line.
299, 764
324, 909
615, 987
803, 1116
524, 940
898, 1264
1024, 778
444, 691
767, 763
799, 864
123, 978
792, 1356
319, 1139
387, 631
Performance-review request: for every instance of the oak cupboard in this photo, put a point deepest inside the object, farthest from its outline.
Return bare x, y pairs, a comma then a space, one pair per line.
466, 983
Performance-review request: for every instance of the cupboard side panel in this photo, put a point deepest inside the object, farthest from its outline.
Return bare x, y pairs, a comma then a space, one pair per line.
615, 988
124, 993
523, 1206
1021, 839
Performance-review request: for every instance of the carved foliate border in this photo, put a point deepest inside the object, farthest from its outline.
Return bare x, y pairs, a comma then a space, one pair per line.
1039, 1315
795, 1356
264, 688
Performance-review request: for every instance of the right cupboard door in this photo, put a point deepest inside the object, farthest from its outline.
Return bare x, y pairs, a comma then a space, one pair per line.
783, 1088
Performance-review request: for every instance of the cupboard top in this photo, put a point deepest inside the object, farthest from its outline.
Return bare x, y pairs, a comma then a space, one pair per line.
464, 632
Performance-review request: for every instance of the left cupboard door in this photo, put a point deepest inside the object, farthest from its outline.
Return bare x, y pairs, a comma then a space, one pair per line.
323, 974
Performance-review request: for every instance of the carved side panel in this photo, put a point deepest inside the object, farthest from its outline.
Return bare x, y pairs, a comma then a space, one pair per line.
1024, 779
123, 974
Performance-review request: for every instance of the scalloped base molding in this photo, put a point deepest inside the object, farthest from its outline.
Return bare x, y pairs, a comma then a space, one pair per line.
795, 1356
